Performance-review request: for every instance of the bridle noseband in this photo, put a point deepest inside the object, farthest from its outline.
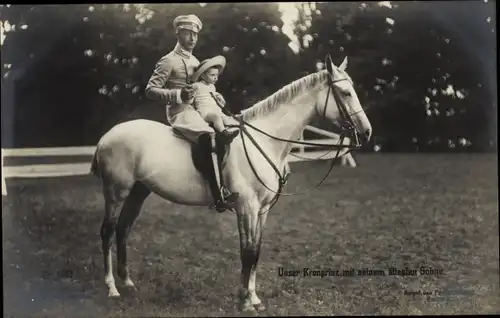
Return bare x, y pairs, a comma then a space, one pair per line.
346, 123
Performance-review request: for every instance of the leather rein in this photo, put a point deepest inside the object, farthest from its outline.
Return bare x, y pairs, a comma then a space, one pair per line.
346, 125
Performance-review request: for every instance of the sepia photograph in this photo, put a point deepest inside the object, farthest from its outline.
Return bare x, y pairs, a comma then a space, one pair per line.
249, 159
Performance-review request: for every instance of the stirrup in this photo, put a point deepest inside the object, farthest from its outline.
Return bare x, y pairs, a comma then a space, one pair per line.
222, 206
227, 203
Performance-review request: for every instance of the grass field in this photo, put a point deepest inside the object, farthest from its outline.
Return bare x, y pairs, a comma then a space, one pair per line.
402, 210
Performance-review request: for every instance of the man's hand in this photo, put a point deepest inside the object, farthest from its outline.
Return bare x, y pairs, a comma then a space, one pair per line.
187, 93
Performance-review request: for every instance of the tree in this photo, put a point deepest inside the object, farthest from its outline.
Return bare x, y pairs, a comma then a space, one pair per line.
416, 74
77, 70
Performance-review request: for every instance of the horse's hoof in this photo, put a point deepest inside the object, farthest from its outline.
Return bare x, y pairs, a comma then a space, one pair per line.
248, 309
113, 294
259, 307
131, 287
129, 283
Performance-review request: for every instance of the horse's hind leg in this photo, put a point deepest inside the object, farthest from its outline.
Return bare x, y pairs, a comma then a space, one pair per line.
114, 199
131, 210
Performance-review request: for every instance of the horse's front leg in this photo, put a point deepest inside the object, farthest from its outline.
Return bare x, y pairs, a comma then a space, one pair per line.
250, 226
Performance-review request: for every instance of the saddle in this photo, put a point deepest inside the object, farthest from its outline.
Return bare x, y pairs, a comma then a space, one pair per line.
201, 156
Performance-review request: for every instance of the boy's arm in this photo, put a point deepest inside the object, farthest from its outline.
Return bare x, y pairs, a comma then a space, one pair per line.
220, 99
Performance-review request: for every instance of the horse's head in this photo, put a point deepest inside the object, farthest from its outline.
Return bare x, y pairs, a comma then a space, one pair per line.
339, 102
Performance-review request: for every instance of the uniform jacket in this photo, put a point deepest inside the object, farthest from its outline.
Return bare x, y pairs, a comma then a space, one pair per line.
170, 75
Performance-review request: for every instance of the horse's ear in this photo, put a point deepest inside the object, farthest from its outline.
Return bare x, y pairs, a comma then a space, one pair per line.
332, 69
329, 64
343, 66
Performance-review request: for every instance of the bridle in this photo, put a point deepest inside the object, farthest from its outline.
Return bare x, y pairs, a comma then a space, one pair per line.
346, 124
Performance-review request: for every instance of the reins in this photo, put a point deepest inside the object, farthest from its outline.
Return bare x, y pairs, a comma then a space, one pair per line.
282, 179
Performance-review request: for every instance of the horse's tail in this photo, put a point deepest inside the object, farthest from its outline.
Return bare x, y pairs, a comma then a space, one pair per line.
94, 167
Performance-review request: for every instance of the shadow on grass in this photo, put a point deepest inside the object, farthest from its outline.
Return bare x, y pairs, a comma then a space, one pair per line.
437, 211
53, 253
50, 247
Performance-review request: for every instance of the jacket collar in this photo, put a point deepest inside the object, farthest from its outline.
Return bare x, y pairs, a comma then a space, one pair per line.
182, 52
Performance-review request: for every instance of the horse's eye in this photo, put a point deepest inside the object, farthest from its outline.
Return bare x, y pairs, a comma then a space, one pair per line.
347, 94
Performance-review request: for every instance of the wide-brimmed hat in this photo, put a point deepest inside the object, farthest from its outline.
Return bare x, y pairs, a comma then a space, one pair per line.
217, 61
188, 22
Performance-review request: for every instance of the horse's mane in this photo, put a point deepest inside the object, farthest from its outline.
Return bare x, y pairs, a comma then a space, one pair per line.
283, 95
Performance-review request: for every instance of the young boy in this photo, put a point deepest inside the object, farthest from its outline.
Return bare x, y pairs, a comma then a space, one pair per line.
204, 77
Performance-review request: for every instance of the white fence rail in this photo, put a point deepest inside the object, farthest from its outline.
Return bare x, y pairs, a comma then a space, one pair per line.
4, 186
73, 169
49, 152
334, 139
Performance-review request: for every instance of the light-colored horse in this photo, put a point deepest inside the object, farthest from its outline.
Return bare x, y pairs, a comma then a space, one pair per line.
138, 157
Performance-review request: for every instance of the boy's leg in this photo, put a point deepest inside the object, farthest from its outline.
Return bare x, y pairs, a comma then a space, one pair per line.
215, 118
216, 121
227, 135
227, 120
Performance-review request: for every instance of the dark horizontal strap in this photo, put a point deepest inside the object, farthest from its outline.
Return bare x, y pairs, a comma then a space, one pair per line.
296, 141
242, 122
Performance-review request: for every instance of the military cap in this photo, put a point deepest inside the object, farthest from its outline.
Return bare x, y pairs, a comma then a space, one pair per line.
188, 22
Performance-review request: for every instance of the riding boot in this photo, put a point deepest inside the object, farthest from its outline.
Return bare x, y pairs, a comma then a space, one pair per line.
225, 137
221, 203
228, 198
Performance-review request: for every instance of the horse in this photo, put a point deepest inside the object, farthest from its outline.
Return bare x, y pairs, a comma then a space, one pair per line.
139, 157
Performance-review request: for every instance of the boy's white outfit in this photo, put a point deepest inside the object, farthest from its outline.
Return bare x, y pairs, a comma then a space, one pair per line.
204, 102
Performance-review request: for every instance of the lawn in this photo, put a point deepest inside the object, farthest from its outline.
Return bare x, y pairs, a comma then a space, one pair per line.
393, 210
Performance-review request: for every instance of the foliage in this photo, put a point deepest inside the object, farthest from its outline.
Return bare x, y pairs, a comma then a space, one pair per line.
423, 70
414, 66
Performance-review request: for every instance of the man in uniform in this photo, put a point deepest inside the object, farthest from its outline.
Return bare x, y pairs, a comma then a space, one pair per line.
171, 84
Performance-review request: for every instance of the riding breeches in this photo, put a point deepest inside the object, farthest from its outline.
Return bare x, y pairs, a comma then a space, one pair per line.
187, 121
